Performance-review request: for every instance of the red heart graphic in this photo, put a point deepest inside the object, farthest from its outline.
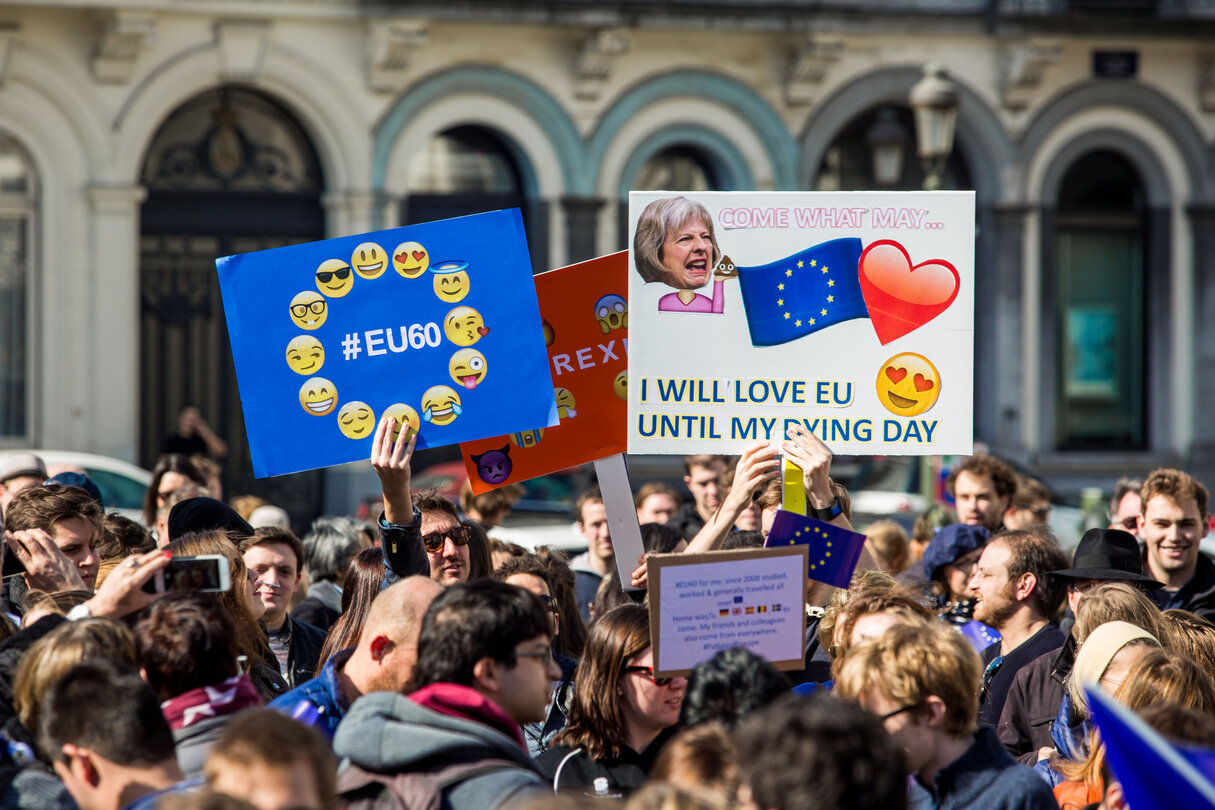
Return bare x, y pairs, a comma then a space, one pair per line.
900, 297
401, 258
896, 375
483, 330
419, 255
922, 384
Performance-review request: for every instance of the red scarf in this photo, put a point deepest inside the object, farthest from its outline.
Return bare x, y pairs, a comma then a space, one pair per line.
467, 703
227, 697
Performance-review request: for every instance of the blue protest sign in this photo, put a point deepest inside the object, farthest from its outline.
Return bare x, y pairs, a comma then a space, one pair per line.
436, 324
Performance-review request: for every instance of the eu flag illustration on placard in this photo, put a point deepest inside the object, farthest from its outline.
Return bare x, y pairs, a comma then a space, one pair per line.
803, 293
834, 552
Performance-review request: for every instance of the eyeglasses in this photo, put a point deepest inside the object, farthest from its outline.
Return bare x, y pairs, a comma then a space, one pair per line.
1130, 523
898, 711
649, 673
325, 276
300, 310
550, 603
434, 541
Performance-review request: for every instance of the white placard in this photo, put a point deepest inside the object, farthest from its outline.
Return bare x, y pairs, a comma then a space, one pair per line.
617, 494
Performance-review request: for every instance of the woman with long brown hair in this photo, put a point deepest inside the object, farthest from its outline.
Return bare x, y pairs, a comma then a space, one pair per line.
621, 714
362, 583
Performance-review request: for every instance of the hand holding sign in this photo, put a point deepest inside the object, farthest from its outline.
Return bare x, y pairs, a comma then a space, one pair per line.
808, 452
390, 460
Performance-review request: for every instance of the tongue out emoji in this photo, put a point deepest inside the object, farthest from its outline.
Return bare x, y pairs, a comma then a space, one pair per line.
467, 367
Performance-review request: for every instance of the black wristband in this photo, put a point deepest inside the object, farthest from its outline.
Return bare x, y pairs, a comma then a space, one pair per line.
829, 513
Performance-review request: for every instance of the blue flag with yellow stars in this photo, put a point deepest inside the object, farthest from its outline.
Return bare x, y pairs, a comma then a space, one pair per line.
834, 552
801, 294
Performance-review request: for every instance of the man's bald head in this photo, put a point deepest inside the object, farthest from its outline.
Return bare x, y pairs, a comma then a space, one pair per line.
388, 644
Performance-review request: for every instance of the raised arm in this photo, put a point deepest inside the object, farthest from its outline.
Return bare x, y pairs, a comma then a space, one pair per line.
399, 524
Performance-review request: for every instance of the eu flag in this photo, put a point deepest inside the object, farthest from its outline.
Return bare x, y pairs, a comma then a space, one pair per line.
806, 292
834, 552
1154, 774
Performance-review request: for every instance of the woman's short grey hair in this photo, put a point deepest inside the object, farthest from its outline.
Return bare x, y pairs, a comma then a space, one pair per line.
329, 546
657, 220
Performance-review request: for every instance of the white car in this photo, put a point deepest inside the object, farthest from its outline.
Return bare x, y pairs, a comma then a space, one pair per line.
122, 484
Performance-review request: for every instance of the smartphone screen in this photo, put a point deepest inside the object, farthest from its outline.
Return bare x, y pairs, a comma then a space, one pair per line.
208, 572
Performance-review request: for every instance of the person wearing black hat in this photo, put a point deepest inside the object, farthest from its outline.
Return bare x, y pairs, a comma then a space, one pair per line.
205, 514
1104, 555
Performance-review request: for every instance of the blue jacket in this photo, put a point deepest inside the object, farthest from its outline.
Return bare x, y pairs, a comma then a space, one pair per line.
324, 694
986, 777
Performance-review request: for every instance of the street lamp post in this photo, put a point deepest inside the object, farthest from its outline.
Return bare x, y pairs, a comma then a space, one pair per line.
886, 138
934, 101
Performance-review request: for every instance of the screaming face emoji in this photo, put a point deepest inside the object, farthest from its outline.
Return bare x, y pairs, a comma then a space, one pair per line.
369, 260
908, 384
305, 355
318, 396
451, 280
410, 259
356, 421
467, 367
308, 310
440, 405
464, 326
404, 415
612, 312
333, 278
565, 403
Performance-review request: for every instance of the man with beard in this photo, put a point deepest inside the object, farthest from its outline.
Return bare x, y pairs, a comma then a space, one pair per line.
1017, 596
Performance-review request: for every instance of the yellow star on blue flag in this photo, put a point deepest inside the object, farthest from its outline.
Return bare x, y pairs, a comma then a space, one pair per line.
834, 552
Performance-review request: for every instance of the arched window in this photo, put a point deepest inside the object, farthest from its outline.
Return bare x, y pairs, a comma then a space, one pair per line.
878, 141
18, 208
676, 167
467, 170
1100, 254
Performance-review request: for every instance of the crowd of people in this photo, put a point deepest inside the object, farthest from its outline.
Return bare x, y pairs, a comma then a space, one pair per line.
411, 661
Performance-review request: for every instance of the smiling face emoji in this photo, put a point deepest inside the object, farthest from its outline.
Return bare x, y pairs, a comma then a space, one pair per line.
369, 260
565, 403
467, 367
908, 384
440, 405
410, 259
318, 396
464, 326
451, 281
308, 310
356, 420
404, 415
305, 355
333, 278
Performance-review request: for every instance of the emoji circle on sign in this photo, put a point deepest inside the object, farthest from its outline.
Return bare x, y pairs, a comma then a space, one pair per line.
451, 280
305, 354
440, 405
309, 310
527, 438
356, 420
565, 403
621, 384
611, 312
410, 259
464, 326
549, 334
404, 415
369, 260
467, 367
318, 396
908, 384
333, 278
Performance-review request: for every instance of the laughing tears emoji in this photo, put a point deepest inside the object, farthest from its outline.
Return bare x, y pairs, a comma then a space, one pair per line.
440, 405
908, 384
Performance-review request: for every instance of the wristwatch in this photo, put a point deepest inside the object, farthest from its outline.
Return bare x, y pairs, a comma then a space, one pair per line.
830, 512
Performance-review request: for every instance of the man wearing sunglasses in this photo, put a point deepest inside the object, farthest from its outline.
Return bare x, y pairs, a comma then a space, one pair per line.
420, 532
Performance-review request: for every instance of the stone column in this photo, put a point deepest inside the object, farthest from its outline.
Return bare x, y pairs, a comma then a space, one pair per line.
581, 223
999, 364
1202, 451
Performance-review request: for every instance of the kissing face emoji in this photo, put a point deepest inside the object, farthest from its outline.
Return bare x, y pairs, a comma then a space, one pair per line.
451, 280
305, 355
440, 405
333, 278
369, 260
356, 421
464, 326
612, 312
404, 415
308, 309
467, 367
318, 396
908, 384
565, 403
410, 259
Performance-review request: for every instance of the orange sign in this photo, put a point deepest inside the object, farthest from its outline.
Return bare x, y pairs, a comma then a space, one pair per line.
586, 329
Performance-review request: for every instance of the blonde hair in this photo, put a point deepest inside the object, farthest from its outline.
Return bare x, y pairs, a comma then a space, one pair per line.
910, 662
1190, 635
888, 543
1117, 602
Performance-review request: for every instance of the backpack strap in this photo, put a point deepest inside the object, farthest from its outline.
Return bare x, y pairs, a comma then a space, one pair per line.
561, 767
